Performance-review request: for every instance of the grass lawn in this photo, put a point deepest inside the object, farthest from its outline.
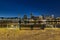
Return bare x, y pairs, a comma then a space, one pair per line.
16, 34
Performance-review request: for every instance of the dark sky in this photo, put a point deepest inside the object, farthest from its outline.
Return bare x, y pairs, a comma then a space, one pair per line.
37, 7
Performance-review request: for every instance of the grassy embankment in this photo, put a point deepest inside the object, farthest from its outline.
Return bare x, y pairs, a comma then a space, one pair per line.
16, 34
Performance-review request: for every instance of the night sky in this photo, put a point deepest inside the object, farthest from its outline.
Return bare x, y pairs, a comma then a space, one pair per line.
13, 8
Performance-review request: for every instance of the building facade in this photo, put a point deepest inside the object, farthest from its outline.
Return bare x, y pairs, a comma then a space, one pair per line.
36, 21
